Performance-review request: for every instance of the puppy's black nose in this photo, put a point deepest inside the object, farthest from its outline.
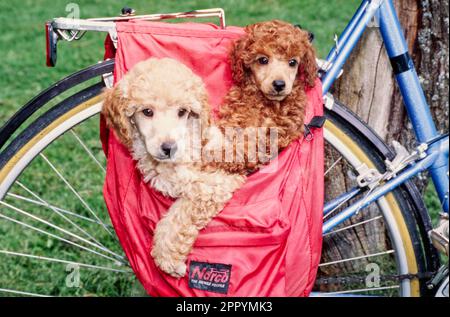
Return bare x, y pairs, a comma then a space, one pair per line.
169, 148
279, 85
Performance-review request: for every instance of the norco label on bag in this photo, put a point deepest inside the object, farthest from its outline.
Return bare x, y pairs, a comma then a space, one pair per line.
213, 277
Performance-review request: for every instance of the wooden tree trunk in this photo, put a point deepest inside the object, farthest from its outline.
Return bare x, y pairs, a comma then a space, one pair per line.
368, 88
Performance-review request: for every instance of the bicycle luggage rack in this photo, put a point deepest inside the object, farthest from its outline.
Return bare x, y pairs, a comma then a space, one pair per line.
69, 29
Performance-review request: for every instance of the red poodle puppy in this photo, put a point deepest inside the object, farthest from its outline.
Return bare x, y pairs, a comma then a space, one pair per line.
272, 66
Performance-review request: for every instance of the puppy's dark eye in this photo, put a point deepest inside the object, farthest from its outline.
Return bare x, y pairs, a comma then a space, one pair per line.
148, 112
263, 60
182, 112
293, 63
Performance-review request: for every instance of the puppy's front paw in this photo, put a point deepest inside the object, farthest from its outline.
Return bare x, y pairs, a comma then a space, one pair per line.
172, 267
180, 270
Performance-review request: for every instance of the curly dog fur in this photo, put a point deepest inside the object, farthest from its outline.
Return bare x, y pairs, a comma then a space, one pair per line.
159, 102
270, 53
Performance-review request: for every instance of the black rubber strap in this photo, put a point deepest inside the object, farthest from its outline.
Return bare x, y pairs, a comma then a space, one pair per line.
316, 122
402, 63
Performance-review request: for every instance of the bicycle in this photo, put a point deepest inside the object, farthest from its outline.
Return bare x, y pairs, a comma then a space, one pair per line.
380, 195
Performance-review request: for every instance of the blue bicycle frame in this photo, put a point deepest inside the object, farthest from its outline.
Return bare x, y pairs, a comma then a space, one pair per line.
436, 159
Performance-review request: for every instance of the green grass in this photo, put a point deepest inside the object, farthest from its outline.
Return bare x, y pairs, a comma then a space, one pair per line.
23, 75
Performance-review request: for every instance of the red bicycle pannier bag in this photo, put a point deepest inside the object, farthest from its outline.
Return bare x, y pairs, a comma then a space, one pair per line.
267, 240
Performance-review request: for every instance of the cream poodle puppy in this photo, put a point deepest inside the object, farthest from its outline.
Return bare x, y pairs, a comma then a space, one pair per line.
159, 110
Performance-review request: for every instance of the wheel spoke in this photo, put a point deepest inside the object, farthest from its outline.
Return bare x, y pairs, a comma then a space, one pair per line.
59, 213
11, 291
59, 238
43, 258
73, 235
85, 204
38, 203
357, 258
333, 165
353, 226
87, 150
362, 290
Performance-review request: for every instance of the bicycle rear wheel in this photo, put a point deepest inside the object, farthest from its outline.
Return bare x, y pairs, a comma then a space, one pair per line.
53, 172
373, 252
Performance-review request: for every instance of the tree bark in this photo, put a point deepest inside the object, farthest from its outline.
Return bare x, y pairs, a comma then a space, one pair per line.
368, 87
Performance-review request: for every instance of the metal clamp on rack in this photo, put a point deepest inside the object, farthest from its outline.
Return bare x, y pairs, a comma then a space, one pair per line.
74, 29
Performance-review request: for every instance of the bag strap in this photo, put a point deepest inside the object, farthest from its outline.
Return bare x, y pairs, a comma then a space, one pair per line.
316, 122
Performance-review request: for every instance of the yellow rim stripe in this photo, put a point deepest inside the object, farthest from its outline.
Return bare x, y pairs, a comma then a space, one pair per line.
24, 150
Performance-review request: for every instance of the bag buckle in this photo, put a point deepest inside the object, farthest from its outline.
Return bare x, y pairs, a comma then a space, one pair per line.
316, 122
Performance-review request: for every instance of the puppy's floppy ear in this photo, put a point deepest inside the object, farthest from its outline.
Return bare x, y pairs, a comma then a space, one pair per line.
200, 108
116, 113
202, 112
308, 64
239, 55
